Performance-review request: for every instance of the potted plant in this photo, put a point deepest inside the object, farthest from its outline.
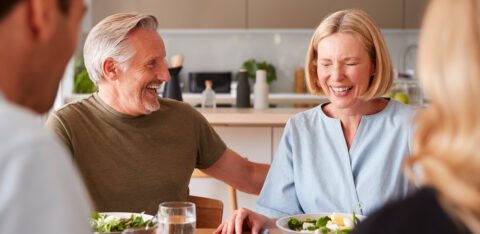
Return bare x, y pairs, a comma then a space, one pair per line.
81, 80
252, 66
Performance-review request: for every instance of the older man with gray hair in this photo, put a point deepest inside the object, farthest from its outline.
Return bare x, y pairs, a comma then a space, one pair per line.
133, 148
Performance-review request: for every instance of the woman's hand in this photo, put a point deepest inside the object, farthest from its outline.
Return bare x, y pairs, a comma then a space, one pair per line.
243, 219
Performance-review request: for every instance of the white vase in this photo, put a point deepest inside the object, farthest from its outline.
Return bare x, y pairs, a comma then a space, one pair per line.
260, 93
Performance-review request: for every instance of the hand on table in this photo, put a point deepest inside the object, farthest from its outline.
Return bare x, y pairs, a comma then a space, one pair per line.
244, 218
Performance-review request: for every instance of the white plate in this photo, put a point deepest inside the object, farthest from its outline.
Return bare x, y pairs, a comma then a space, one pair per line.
127, 215
282, 223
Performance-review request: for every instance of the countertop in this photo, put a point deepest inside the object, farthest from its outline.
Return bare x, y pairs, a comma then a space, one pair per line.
230, 98
249, 116
273, 98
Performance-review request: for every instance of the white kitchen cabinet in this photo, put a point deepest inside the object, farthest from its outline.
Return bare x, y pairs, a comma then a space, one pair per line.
255, 143
251, 142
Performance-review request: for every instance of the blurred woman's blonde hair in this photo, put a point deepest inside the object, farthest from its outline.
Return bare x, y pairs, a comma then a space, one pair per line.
359, 24
446, 145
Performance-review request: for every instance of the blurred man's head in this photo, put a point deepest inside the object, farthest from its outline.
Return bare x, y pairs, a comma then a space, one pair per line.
124, 55
7, 5
39, 37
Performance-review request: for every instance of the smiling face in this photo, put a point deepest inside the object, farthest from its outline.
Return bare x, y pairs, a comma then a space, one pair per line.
344, 69
137, 85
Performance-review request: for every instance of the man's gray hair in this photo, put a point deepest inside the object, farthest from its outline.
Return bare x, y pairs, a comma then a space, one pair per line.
109, 39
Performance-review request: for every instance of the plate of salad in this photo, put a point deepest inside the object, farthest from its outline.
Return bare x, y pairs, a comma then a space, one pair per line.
117, 222
332, 223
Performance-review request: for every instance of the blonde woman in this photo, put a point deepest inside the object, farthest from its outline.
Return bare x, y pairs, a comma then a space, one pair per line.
348, 150
446, 157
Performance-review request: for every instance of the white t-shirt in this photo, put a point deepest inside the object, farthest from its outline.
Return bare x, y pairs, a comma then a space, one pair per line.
40, 189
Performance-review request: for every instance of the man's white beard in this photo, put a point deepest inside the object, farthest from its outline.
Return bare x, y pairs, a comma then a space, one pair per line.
152, 107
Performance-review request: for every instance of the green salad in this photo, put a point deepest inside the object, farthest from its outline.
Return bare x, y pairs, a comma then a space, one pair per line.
109, 223
333, 223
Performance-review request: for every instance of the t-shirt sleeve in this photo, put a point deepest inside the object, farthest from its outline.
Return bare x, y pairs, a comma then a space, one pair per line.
55, 125
210, 146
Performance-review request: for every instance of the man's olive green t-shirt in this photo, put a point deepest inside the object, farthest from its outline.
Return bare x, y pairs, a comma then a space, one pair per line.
133, 163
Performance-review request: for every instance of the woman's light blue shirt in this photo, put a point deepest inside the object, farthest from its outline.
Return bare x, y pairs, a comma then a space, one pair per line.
313, 170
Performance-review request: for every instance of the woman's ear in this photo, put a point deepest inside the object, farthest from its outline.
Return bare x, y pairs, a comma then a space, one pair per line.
43, 17
110, 69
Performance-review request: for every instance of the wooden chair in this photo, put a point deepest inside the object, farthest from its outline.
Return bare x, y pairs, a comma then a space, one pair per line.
209, 211
232, 193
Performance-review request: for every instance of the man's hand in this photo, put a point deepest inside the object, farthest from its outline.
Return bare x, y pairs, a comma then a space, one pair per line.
245, 219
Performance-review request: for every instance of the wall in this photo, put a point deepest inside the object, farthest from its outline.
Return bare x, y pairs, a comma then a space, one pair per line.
226, 50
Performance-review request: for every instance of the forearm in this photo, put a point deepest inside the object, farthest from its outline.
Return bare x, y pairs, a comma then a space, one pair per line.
248, 178
239, 173
256, 177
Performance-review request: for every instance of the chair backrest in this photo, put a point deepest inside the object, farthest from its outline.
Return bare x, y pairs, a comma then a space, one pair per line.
209, 211
232, 193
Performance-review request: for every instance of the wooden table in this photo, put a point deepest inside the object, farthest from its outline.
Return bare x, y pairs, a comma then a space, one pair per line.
210, 231
204, 230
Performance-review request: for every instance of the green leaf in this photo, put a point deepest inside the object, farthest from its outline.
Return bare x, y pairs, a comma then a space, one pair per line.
294, 224
324, 229
343, 231
252, 66
355, 219
321, 222
81, 80
94, 215
100, 224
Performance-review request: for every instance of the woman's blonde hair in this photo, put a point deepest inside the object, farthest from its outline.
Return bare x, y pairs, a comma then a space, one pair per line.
361, 25
446, 144
109, 39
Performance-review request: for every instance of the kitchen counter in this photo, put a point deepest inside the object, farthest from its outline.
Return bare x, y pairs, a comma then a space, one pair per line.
273, 98
249, 116
230, 98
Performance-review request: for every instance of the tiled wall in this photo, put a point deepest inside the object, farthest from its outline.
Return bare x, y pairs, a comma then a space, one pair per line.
226, 50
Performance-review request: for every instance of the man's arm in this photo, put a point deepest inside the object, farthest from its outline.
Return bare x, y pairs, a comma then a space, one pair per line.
238, 172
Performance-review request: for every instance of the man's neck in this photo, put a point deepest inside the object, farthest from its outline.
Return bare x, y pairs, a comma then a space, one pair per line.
112, 98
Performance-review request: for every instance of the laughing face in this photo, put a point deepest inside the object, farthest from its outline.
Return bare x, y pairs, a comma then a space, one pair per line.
138, 84
344, 69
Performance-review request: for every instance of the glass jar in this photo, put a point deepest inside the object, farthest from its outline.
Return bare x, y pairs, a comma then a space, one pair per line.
408, 91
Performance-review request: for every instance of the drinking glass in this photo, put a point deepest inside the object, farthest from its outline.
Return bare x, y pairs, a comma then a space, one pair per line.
176, 218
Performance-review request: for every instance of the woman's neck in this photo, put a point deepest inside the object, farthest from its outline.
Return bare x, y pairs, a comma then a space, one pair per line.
350, 117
